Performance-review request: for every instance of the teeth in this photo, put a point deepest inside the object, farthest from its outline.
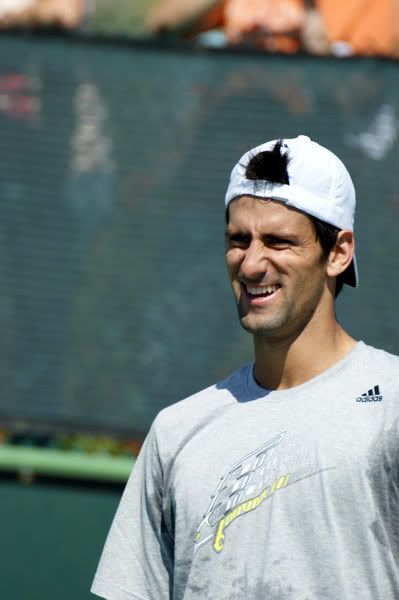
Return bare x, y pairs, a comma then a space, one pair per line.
266, 289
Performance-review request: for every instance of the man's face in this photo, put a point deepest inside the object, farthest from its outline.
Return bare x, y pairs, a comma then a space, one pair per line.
275, 267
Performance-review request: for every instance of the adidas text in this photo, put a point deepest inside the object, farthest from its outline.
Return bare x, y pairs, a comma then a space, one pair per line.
372, 395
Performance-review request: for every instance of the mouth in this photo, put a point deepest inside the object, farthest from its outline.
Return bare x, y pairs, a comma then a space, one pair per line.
258, 295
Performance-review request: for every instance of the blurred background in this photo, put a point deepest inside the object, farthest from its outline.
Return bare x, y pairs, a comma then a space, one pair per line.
120, 122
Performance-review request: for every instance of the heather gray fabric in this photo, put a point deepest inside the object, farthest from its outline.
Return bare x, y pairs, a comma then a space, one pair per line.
244, 494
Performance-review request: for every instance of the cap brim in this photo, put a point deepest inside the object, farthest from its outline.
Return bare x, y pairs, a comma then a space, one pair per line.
351, 276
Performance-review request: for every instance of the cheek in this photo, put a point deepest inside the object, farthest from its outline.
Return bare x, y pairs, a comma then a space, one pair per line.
233, 261
307, 273
313, 278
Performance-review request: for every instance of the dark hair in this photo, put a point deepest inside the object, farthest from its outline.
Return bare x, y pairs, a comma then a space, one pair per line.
271, 165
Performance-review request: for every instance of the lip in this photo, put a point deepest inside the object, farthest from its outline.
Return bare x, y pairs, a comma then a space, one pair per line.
258, 300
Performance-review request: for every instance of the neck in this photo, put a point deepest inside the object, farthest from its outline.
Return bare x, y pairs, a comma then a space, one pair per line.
287, 362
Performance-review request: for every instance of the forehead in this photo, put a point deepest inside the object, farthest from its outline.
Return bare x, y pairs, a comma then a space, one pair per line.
258, 213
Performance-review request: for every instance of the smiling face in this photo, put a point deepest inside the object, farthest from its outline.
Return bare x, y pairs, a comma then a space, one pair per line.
275, 267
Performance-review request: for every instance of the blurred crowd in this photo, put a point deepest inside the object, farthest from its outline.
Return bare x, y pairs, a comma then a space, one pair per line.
30, 13
339, 27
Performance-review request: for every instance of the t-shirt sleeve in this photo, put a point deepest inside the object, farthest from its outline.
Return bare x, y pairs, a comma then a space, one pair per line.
137, 559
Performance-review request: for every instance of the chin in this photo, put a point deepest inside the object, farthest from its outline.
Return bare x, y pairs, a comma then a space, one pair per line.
260, 328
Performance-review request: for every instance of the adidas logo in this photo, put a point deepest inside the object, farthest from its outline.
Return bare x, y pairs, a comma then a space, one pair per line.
372, 395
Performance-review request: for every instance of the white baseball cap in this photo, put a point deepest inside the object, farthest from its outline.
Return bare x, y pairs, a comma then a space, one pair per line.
319, 185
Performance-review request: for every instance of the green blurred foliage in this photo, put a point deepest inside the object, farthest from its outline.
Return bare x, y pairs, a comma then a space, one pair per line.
121, 17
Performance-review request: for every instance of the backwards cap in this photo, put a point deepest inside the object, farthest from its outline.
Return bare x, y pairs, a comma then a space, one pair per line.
319, 185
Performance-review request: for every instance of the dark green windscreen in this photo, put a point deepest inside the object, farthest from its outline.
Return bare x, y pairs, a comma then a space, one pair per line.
113, 166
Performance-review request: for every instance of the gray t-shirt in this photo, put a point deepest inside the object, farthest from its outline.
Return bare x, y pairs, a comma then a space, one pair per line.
241, 493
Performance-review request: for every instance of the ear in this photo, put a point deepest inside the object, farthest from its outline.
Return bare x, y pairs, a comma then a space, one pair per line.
341, 255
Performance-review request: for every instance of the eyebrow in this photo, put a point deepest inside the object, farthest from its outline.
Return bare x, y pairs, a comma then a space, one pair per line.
292, 237
286, 235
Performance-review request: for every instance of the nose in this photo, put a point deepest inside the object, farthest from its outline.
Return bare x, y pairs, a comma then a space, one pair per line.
255, 261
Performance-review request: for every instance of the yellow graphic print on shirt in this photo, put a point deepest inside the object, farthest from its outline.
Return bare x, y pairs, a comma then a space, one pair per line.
243, 488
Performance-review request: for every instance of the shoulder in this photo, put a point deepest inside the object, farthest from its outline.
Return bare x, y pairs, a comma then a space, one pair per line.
376, 357
378, 369
191, 414
208, 400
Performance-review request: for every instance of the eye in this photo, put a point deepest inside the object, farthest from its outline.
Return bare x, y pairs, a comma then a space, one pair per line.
278, 242
237, 240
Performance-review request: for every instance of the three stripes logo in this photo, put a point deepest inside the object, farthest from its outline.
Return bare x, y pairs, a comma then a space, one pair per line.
372, 395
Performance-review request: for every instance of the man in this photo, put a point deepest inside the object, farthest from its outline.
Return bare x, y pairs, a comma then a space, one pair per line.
281, 481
